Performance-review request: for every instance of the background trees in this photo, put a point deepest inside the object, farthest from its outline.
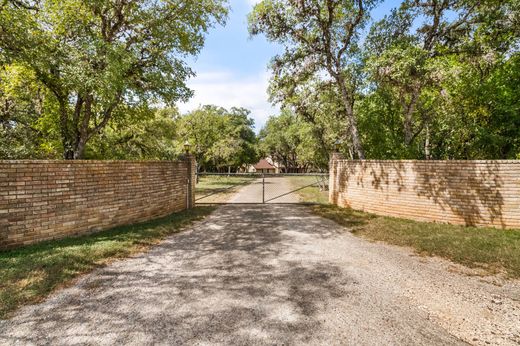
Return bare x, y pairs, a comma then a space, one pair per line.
290, 141
434, 79
224, 140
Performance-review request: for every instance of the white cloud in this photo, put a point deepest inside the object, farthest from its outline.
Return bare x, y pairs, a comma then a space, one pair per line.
253, 2
225, 89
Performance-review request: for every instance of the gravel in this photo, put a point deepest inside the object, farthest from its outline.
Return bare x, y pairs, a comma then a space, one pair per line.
274, 274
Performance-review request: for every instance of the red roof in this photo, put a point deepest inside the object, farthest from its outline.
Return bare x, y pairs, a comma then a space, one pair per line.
264, 164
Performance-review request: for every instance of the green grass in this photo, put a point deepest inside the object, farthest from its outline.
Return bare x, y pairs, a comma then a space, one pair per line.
310, 194
491, 249
218, 188
29, 274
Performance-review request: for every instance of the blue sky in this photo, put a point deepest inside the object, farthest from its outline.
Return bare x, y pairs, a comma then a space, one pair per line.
232, 67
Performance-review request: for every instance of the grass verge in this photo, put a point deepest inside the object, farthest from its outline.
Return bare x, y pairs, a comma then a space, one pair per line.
29, 274
308, 190
491, 249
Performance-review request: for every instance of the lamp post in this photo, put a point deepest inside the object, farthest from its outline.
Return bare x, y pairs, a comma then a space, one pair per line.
187, 147
337, 145
189, 185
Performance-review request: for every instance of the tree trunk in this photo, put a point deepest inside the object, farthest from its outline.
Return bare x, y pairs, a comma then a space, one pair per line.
79, 150
356, 142
67, 139
408, 117
427, 148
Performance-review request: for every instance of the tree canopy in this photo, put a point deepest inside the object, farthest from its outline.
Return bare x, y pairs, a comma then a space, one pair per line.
432, 79
222, 139
96, 59
100, 79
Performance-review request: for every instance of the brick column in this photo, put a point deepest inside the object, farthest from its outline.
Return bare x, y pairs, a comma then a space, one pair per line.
333, 176
190, 180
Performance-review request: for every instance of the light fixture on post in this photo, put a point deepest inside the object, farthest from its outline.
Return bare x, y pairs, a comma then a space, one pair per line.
187, 147
337, 145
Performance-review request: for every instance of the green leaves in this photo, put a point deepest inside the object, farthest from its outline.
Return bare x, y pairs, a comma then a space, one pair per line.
99, 57
428, 81
221, 138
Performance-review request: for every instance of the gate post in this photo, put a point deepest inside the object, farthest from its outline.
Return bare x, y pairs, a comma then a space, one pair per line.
191, 171
334, 176
263, 188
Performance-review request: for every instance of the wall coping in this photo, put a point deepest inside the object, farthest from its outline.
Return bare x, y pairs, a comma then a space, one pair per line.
89, 161
429, 161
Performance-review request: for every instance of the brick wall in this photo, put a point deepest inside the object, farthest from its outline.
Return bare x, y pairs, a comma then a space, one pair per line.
479, 193
42, 200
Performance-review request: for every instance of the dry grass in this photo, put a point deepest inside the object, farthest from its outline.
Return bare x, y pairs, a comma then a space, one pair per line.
29, 274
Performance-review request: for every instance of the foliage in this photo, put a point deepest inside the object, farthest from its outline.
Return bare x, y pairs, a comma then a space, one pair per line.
433, 79
290, 141
100, 58
320, 37
222, 139
144, 134
24, 111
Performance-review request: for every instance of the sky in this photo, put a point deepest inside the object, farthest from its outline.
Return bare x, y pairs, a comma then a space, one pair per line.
232, 68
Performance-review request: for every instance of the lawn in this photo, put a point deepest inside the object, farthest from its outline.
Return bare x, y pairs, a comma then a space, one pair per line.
491, 249
219, 188
29, 274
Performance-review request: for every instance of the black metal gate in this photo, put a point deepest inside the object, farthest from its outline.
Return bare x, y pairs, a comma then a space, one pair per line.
257, 188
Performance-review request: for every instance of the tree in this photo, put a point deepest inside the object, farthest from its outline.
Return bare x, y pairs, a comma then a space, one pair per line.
319, 36
290, 141
23, 104
98, 58
407, 59
221, 138
144, 134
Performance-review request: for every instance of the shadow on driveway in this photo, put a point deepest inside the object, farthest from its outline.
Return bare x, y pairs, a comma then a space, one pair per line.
246, 275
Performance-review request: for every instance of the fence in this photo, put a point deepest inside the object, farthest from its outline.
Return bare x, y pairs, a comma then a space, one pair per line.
41, 200
479, 193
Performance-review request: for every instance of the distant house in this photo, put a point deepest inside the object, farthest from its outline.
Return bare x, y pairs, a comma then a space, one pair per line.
263, 166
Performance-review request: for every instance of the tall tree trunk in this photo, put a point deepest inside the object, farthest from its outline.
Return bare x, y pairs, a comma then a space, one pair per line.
79, 150
82, 129
356, 142
427, 145
409, 110
67, 138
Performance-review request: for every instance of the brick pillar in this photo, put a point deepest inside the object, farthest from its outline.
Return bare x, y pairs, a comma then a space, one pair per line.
333, 176
190, 180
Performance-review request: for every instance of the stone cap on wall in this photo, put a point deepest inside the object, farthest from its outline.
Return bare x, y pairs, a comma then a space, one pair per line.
90, 161
429, 161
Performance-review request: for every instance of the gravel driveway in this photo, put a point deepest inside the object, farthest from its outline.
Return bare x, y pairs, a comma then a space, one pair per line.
274, 274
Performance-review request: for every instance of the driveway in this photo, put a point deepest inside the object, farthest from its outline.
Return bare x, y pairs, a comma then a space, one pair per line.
274, 275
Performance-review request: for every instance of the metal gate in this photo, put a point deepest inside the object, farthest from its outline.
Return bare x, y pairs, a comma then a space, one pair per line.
258, 188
